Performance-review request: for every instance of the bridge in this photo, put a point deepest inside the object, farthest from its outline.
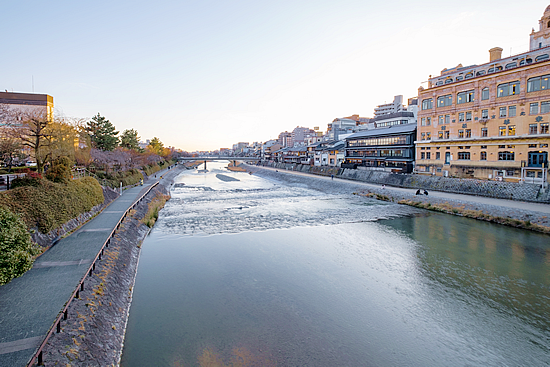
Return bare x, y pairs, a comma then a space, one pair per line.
218, 158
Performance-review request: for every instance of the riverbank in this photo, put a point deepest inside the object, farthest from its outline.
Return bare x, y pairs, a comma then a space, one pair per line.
531, 216
93, 334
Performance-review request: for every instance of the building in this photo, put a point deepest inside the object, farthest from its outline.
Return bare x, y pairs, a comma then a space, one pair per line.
489, 120
387, 149
19, 106
300, 134
389, 108
285, 139
340, 126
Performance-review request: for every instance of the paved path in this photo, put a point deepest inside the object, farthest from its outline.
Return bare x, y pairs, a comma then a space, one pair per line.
30, 304
482, 200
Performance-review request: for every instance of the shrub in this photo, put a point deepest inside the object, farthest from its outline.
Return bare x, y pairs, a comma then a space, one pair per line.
16, 248
154, 207
60, 171
31, 179
49, 205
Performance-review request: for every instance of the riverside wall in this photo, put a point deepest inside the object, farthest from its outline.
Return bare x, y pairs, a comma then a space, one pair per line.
493, 189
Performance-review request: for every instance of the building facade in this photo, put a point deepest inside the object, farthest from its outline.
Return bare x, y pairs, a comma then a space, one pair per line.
21, 106
491, 120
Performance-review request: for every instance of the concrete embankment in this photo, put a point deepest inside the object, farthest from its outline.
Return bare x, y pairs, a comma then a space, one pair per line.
494, 189
528, 215
94, 331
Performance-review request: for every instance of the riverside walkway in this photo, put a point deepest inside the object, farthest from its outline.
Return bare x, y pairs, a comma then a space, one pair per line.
31, 304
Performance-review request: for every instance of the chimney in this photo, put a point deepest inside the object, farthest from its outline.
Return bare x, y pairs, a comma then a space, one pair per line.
495, 54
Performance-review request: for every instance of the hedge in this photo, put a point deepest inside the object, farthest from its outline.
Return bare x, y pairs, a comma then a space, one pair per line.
114, 179
16, 248
49, 205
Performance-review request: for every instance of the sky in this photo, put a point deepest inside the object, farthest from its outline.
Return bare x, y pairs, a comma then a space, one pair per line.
204, 75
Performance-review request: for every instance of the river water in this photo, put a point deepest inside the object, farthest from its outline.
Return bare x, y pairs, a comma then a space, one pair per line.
246, 271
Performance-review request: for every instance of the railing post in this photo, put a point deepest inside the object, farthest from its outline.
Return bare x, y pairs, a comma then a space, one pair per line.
40, 361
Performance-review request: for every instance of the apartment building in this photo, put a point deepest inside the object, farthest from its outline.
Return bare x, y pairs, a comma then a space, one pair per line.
490, 120
25, 105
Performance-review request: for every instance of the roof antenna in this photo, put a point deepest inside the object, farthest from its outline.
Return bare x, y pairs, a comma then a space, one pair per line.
33, 83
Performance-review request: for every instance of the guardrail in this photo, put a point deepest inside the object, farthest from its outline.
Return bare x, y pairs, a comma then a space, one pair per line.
38, 357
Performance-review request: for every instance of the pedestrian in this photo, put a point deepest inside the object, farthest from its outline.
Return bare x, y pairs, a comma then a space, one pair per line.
383, 186
425, 192
332, 177
418, 192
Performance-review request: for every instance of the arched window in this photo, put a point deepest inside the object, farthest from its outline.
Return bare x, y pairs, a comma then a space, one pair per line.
548, 25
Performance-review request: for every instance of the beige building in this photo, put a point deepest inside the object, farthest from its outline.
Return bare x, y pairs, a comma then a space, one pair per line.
490, 120
22, 105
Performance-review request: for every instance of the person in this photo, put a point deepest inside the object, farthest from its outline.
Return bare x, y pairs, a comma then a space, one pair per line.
383, 186
425, 192
418, 192
141, 181
332, 177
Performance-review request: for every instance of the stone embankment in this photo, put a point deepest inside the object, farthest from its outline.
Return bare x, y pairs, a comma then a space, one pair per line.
494, 189
461, 205
93, 334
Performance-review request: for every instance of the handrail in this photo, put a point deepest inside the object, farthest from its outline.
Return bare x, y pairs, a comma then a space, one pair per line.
57, 323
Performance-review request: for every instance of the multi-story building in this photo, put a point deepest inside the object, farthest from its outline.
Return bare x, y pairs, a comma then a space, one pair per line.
389, 108
21, 106
340, 126
300, 134
285, 139
489, 120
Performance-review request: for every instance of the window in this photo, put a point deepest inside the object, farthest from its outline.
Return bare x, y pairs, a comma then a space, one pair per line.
449, 81
544, 128
508, 89
468, 133
437, 155
532, 145
441, 120
501, 146
469, 116
541, 57
423, 136
461, 117
511, 65
483, 156
505, 156
484, 147
465, 97
464, 155
502, 131
428, 121
484, 114
485, 94
538, 83
512, 111
511, 129
532, 128
494, 69
480, 73
447, 119
428, 155
444, 101
427, 104
543, 146
484, 132
447, 134
423, 121
429, 136
502, 112
422, 155
460, 133
440, 134
469, 75
534, 108
459, 78
545, 107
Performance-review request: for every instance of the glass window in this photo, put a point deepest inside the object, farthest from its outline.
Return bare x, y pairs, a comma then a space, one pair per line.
428, 155
423, 136
441, 120
502, 131
428, 121
444, 101
508, 89
532, 128
469, 116
483, 156
545, 107
460, 133
485, 94
437, 155
464, 155
534, 108
484, 132
440, 135
511, 129
427, 104
429, 136
447, 119
423, 121
502, 112
469, 75
461, 117
544, 128
505, 156
447, 134
468, 133
484, 114
465, 97
422, 155
512, 111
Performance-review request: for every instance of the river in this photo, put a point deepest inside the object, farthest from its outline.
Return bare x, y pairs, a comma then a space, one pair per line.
244, 271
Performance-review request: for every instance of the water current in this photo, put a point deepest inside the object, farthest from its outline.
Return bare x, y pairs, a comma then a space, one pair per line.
242, 270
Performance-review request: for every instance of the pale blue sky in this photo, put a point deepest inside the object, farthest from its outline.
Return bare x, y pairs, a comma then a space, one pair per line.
207, 74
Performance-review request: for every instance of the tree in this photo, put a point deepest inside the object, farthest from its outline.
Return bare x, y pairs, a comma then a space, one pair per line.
10, 151
130, 139
34, 135
16, 247
156, 146
102, 133
60, 170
